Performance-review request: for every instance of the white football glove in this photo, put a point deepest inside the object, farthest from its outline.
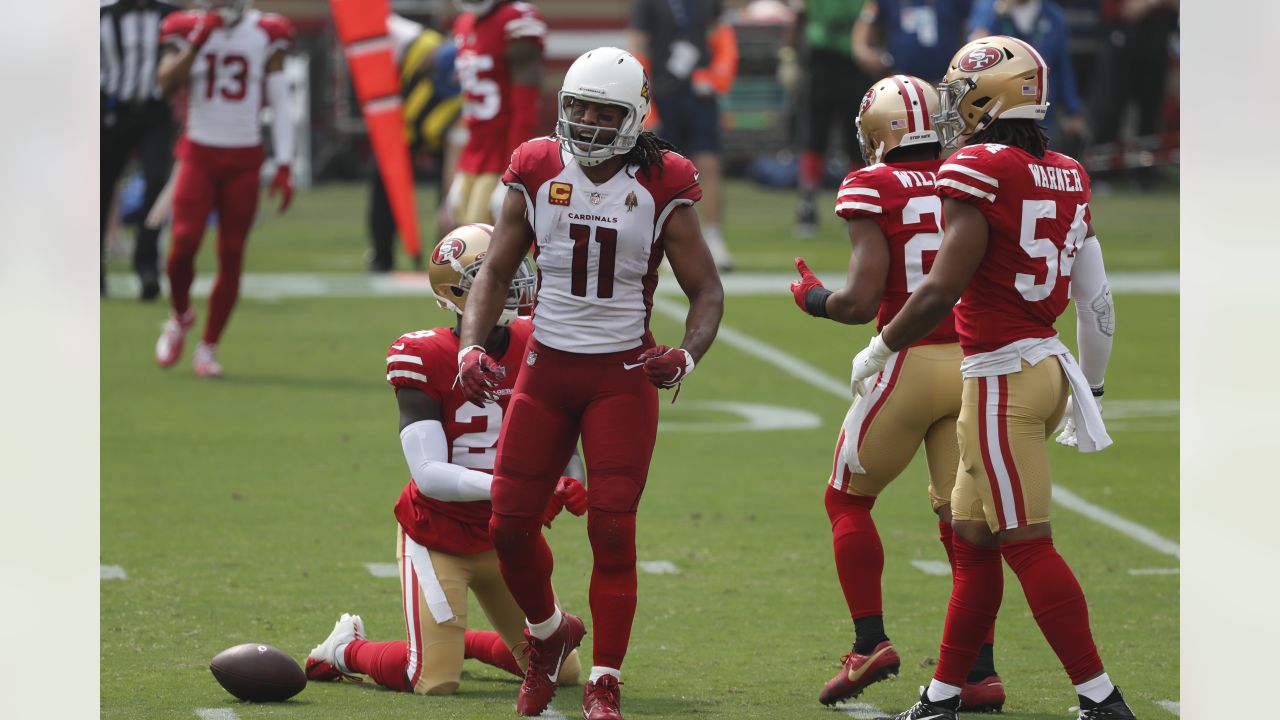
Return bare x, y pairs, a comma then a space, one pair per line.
867, 363
1067, 428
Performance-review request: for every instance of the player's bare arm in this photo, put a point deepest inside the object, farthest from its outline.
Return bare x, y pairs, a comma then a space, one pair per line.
525, 56
695, 270
512, 238
416, 406
858, 301
174, 69
964, 243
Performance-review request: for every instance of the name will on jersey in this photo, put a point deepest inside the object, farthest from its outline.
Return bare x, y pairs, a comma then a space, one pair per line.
1054, 178
915, 178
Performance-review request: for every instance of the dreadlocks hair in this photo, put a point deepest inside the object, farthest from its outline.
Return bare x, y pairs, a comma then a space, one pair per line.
647, 153
1020, 133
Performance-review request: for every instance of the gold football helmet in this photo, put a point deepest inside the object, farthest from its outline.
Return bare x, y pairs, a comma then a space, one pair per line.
455, 263
896, 112
988, 79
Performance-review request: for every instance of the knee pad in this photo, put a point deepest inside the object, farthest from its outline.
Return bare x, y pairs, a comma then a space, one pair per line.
444, 687
512, 533
839, 502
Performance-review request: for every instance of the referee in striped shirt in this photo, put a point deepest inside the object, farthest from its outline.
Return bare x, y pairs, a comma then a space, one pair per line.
135, 119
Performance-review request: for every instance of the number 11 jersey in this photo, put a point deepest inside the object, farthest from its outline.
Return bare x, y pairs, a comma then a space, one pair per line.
597, 246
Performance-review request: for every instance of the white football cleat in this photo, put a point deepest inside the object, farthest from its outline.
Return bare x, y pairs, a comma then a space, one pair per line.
172, 338
206, 364
322, 663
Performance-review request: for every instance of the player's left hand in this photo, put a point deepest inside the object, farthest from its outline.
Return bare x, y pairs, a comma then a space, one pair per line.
1067, 429
282, 183
666, 367
808, 281
867, 363
572, 494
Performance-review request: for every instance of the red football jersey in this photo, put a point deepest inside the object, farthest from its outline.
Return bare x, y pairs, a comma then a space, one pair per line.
427, 360
903, 201
485, 77
1038, 212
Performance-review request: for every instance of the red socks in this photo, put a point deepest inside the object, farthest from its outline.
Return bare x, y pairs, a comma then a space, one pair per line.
385, 662
488, 648
226, 289
976, 592
613, 585
945, 534
810, 170
859, 554
1058, 604
526, 563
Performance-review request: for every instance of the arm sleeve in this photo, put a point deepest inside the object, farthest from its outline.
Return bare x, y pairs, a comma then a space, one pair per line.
282, 129
1095, 311
427, 452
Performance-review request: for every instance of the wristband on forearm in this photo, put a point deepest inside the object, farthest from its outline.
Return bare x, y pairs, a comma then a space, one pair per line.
815, 301
1097, 390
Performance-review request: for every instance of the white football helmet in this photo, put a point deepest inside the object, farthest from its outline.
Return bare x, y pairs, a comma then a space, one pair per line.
476, 7
230, 10
604, 75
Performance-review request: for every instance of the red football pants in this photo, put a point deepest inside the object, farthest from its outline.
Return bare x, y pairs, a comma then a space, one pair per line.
558, 398
209, 178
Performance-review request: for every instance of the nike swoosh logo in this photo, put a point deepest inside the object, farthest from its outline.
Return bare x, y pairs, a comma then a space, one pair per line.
400, 346
555, 676
631, 366
853, 676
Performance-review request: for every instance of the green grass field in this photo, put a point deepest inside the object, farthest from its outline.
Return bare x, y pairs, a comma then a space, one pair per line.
244, 509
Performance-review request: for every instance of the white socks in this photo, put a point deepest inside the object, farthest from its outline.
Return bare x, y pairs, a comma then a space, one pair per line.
940, 691
599, 671
1096, 689
543, 630
340, 658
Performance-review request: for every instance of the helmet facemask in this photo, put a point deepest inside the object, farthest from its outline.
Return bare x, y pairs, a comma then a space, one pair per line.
520, 294
231, 10
593, 151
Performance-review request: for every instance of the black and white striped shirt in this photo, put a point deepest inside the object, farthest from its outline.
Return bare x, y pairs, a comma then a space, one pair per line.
129, 34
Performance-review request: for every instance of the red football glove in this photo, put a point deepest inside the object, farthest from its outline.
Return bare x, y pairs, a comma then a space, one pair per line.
808, 281
282, 183
209, 21
478, 375
666, 367
569, 494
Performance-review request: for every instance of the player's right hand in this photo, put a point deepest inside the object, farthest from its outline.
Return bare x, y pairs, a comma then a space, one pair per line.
572, 494
478, 375
209, 21
800, 289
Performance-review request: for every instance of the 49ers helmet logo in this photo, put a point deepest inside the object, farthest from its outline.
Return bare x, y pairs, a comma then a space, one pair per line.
981, 58
448, 251
867, 99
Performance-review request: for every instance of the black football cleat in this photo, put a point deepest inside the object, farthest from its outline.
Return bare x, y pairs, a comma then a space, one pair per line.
1113, 708
927, 710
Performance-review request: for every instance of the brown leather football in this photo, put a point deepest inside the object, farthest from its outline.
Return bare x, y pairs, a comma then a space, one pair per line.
258, 673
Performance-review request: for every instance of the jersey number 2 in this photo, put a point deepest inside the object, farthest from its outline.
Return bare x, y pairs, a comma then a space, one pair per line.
608, 239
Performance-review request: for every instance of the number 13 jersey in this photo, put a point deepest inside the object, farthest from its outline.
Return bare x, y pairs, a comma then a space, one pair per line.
597, 246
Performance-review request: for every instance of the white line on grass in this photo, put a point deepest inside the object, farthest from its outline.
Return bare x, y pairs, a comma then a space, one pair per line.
1155, 571
217, 714
383, 569
113, 572
1172, 706
551, 714
932, 567
861, 710
658, 567
802, 370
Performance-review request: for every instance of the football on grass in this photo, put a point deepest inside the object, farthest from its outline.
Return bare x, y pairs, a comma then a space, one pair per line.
258, 673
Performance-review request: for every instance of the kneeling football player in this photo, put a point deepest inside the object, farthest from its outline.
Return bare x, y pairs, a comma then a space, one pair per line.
894, 216
442, 539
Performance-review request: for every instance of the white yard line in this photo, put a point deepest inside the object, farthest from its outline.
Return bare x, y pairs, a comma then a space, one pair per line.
113, 572
276, 286
802, 370
383, 569
932, 567
658, 567
217, 714
1155, 571
860, 710
1172, 706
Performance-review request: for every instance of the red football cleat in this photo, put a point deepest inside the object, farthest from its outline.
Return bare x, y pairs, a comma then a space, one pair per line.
987, 695
172, 338
602, 699
546, 657
859, 671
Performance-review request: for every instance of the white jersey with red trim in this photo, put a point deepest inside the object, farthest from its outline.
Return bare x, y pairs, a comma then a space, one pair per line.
228, 76
598, 246
1038, 213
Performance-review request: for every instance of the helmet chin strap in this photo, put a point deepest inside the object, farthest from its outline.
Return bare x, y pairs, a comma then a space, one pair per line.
880, 151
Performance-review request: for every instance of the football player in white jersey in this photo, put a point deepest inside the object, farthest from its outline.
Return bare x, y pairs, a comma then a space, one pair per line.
227, 53
600, 203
